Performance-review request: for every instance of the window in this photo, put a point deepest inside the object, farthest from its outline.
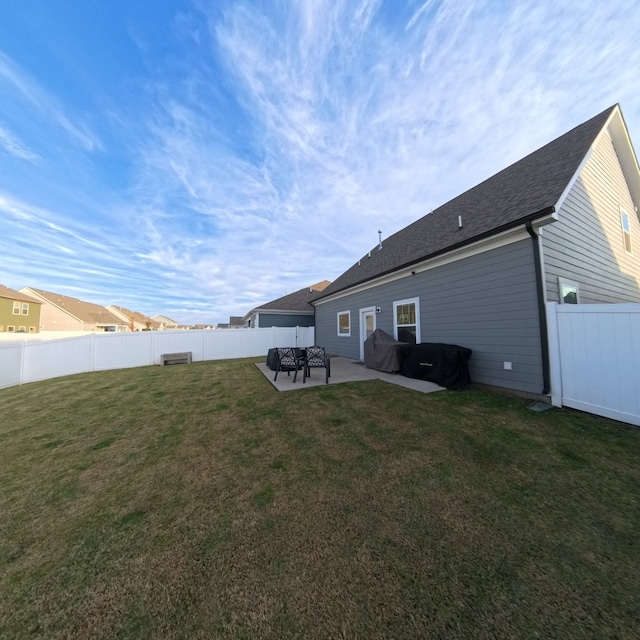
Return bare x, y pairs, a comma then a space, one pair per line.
16, 309
1, 327
22, 329
11, 329
25, 308
32, 329
568, 292
626, 230
344, 323
406, 320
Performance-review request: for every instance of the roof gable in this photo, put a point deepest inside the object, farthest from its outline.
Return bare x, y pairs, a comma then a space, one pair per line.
298, 301
86, 312
159, 317
526, 190
133, 316
11, 294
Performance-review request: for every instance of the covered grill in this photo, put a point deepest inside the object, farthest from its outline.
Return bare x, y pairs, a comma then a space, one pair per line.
381, 352
444, 364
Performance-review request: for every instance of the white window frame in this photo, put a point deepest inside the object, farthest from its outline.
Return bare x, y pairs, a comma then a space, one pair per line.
32, 329
16, 308
11, 328
562, 282
626, 232
398, 303
25, 308
348, 333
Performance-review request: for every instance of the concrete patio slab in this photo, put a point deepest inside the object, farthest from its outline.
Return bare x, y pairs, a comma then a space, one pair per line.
343, 370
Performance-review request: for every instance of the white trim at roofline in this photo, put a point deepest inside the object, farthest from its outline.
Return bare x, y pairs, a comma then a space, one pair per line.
275, 312
614, 129
283, 312
626, 154
119, 314
481, 246
577, 173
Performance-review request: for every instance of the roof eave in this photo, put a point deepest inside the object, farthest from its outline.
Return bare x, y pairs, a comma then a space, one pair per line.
542, 213
298, 312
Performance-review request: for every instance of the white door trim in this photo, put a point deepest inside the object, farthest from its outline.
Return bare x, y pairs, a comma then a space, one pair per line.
362, 313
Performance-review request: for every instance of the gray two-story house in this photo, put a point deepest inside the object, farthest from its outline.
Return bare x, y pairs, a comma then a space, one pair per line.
559, 225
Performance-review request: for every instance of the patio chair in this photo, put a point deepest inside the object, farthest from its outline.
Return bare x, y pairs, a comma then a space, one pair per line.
316, 357
289, 359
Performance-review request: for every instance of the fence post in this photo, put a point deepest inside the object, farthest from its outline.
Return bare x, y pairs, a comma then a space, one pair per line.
92, 352
24, 347
555, 364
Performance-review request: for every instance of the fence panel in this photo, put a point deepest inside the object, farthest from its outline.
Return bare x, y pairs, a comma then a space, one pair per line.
178, 341
44, 360
122, 350
595, 358
11, 364
298, 336
30, 361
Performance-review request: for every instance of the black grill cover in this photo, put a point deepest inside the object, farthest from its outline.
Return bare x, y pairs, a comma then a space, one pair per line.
444, 364
381, 351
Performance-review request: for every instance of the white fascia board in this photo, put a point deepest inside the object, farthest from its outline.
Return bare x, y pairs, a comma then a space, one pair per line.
285, 312
250, 315
614, 117
119, 314
481, 246
626, 153
616, 130
576, 175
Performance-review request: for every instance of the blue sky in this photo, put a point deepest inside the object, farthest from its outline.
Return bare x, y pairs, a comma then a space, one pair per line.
198, 159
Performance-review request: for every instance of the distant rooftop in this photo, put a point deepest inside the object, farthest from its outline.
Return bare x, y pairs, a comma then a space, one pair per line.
12, 294
296, 301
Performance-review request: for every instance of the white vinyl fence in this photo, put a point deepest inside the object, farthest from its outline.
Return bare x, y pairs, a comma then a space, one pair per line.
595, 358
30, 361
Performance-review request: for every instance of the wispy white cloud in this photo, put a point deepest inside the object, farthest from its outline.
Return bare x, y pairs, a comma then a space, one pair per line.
356, 124
34, 94
293, 133
12, 145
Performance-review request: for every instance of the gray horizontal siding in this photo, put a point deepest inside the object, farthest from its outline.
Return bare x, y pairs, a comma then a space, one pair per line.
585, 245
486, 302
284, 320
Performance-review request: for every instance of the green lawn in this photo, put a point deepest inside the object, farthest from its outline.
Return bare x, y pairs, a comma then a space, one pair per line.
196, 502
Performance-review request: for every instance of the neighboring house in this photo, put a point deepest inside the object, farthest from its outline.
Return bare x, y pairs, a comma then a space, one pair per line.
165, 321
235, 322
135, 320
19, 312
559, 225
63, 313
292, 310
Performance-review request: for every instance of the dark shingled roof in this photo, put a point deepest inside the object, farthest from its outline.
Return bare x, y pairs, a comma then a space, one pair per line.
526, 190
296, 301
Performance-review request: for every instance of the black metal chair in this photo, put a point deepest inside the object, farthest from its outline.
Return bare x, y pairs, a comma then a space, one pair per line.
289, 359
316, 357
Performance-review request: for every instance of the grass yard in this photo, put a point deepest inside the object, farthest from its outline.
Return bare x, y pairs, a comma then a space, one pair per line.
197, 502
